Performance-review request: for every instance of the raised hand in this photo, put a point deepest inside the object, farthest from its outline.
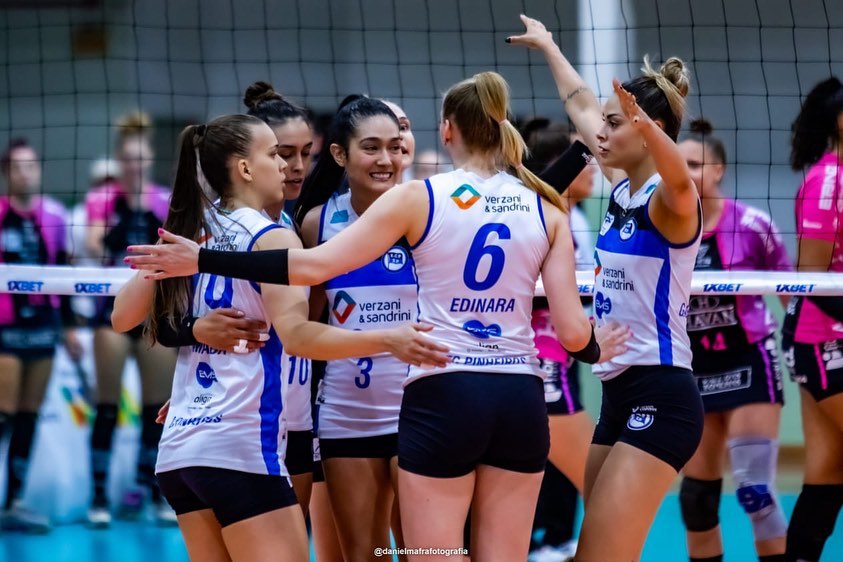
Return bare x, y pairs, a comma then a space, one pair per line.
612, 338
629, 105
178, 257
410, 345
536, 35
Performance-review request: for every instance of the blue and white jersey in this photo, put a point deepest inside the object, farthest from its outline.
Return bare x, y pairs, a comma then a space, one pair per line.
295, 375
225, 408
361, 397
644, 281
477, 264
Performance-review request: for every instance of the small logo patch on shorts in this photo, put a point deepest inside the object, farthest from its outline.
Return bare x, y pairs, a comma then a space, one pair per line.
725, 382
641, 418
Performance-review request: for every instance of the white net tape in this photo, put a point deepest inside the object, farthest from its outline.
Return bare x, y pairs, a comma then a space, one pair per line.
96, 281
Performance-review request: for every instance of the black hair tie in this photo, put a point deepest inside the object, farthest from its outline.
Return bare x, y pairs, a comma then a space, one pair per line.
199, 134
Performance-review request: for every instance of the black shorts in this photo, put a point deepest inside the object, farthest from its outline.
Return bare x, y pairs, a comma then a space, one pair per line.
299, 457
232, 495
561, 387
377, 447
30, 343
818, 368
730, 379
453, 422
656, 408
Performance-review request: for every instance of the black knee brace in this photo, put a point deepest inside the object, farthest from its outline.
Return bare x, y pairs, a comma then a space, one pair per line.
813, 520
700, 503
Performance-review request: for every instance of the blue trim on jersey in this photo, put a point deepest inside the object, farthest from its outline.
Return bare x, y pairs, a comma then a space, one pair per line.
319, 238
661, 310
374, 274
541, 212
429, 215
661, 237
643, 243
260, 233
287, 221
271, 403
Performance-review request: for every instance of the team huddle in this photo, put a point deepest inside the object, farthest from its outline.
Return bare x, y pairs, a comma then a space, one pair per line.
378, 360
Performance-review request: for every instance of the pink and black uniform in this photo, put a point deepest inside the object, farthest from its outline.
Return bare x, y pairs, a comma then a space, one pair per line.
30, 323
561, 383
813, 341
733, 336
126, 223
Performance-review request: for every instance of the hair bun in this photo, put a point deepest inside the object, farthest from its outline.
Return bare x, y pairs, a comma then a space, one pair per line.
134, 123
260, 92
701, 127
675, 71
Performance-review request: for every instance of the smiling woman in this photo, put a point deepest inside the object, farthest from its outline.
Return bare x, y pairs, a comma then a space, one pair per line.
222, 468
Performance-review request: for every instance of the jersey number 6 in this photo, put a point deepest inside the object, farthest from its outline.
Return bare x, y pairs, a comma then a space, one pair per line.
478, 250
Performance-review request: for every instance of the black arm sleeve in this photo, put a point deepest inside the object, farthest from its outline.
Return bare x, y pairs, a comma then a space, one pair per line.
181, 335
266, 266
832, 306
562, 171
590, 353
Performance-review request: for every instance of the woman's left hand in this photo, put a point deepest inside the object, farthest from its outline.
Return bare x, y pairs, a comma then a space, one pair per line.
630, 106
177, 257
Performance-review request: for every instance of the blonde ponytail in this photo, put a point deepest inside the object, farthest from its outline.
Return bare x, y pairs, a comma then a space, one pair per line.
485, 126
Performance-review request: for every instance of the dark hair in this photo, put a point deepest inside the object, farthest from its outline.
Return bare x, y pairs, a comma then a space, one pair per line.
14, 144
327, 175
661, 93
701, 131
214, 144
816, 124
545, 141
269, 106
479, 107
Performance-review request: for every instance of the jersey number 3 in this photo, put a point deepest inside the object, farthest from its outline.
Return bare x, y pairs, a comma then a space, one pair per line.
478, 250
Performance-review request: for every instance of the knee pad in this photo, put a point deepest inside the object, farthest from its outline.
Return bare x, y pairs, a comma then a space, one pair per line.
813, 520
700, 502
754, 471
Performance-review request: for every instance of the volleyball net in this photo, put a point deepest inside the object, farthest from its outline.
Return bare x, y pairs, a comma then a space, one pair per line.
70, 69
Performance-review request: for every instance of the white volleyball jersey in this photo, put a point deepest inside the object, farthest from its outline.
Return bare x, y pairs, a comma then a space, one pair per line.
361, 397
225, 408
643, 281
477, 264
295, 376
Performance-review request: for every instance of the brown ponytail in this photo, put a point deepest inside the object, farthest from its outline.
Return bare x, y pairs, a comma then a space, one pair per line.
204, 149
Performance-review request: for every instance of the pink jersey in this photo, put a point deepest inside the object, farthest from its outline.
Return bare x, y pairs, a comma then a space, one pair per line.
24, 246
546, 341
100, 203
819, 209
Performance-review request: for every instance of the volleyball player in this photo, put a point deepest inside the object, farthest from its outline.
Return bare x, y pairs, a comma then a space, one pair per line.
359, 399
127, 211
813, 328
651, 417
295, 140
736, 365
221, 459
570, 426
473, 433
32, 231
408, 140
